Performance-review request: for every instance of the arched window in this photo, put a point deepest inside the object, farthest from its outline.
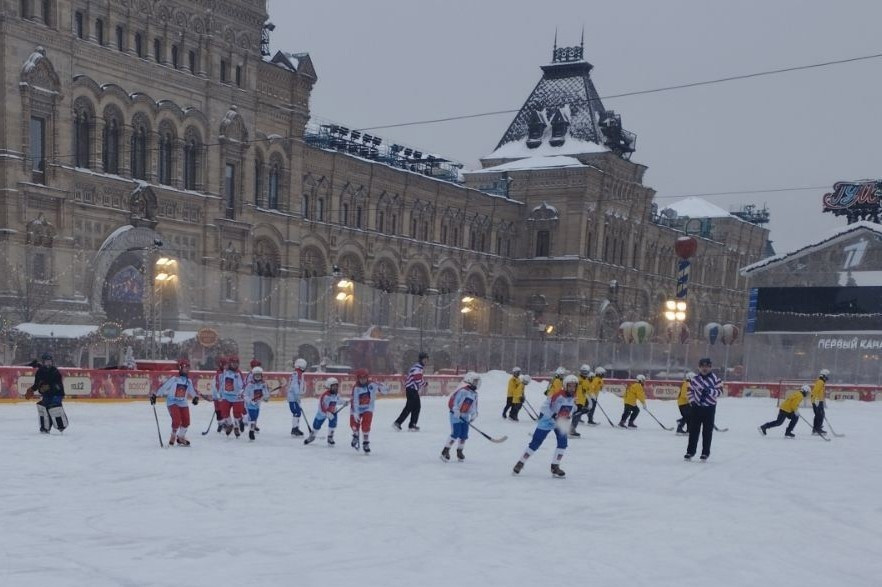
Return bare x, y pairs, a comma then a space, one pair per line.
157, 50
385, 278
274, 179
120, 38
448, 285
139, 45
110, 146
175, 57
258, 180
497, 310
166, 148
83, 124
99, 31
192, 154
312, 266
266, 267
417, 286
140, 134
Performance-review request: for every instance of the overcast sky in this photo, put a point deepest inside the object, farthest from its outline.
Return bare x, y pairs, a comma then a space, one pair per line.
393, 61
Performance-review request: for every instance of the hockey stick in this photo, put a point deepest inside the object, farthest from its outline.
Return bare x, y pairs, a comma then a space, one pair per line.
485, 435
210, 422
718, 429
341, 408
158, 431
830, 426
809, 424
602, 411
656, 419
532, 411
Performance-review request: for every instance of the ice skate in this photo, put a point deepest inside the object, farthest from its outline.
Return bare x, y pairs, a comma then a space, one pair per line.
413, 428
688, 456
556, 471
574, 434
445, 454
789, 435
183, 441
397, 426
460, 456
762, 429
296, 431
354, 442
309, 438
366, 447
704, 458
251, 434
171, 441
632, 425
622, 424
518, 467
331, 440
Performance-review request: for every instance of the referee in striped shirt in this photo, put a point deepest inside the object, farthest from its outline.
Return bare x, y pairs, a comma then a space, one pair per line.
412, 387
704, 389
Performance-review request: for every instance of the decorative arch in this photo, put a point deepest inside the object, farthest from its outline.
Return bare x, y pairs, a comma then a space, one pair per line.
38, 72
168, 140
140, 147
194, 158
267, 260
351, 267
83, 131
475, 286
312, 262
385, 275
277, 182
417, 279
232, 127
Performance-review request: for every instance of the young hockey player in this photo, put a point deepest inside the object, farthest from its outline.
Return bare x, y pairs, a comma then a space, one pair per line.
519, 397
633, 394
232, 404
819, 395
789, 408
256, 392
463, 405
177, 390
295, 392
683, 404
704, 389
556, 383
327, 410
49, 383
582, 390
255, 362
361, 409
594, 390
413, 385
515, 390
215, 391
555, 415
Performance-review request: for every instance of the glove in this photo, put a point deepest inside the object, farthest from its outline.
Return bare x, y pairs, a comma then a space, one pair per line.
644, 405
195, 400
29, 394
152, 400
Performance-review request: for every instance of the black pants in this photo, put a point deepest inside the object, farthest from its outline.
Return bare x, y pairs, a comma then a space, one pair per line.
701, 420
632, 411
684, 418
581, 410
782, 415
515, 410
818, 424
592, 405
411, 408
508, 405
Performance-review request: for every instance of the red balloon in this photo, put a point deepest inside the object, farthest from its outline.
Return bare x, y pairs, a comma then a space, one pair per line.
686, 246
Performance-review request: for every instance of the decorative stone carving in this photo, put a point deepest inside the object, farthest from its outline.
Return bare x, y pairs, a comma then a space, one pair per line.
142, 206
40, 232
230, 258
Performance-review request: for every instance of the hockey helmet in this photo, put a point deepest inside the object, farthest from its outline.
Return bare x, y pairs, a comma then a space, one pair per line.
361, 374
600, 371
805, 389
472, 379
183, 363
332, 384
257, 373
526, 379
560, 372
46, 357
516, 371
825, 373
567, 381
300, 364
221, 362
422, 356
689, 375
585, 369
233, 359
641, 378
255, 363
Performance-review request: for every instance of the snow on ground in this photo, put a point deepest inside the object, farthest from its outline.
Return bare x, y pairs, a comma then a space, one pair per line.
103, 505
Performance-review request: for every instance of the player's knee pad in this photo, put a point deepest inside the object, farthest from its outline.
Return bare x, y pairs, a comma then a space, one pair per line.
45, 420
58, 417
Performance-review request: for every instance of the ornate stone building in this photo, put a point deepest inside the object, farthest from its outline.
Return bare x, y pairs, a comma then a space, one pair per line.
158, 170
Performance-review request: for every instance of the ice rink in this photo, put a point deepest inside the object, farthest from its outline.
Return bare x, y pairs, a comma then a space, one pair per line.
103, 505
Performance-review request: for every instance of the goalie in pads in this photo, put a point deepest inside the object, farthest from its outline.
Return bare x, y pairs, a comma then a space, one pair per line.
49, 384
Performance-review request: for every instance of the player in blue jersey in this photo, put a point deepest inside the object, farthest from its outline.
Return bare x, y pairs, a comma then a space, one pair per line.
177, 390
555, 415
256, 392
361, 409
463, 405
327, 410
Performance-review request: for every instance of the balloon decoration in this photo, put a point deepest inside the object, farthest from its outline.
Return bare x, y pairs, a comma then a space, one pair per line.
626, 332
677, 332
641, 331
685, 247
712, 332
729, 333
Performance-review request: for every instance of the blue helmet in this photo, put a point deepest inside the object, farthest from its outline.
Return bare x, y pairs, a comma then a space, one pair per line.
46, 357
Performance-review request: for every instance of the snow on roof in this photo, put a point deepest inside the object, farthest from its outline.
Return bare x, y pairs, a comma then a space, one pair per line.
571, 146
840, 232
115, 234
56, 330
534, 163
177, 337
695, 207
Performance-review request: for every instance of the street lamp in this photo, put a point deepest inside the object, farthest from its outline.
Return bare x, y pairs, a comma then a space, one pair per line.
675, 313
163, 273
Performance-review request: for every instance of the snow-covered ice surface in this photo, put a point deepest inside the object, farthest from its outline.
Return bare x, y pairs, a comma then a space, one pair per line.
103, 505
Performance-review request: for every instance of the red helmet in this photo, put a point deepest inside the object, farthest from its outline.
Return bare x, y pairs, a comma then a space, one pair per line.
232, 359
183, 363
256, 363
361, 374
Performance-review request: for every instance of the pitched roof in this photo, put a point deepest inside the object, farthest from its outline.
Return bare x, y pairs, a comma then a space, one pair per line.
695, 207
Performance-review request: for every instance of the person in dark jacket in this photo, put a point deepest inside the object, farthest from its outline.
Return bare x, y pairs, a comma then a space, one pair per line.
49, 383
412, 387
704, 389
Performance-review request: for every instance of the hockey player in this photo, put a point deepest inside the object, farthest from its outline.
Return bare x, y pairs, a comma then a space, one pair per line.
413, 385
232, 404
594, 390
327, 410
361, 409
463, 405
556, 383
49, 383
819, 395
515, 390
520, 397
633, 394
789, 408
295, 392
255, 362
177, 390
255, 393
555, 415
704, 389
215, 391
585, 376
683, 404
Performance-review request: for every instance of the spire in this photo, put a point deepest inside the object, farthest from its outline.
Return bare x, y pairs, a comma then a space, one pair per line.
554, 51
582, 41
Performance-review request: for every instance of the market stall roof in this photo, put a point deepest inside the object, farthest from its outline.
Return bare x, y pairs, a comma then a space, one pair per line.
56, 330
177, 336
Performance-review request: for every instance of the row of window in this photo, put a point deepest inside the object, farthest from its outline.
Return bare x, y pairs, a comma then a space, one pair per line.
227, 73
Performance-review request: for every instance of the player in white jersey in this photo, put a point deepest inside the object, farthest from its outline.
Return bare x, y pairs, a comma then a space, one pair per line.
177, 390
555, 415
463, 405
256, 392
327, 410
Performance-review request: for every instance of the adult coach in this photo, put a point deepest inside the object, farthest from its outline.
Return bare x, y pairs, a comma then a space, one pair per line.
704, 389
412, 387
